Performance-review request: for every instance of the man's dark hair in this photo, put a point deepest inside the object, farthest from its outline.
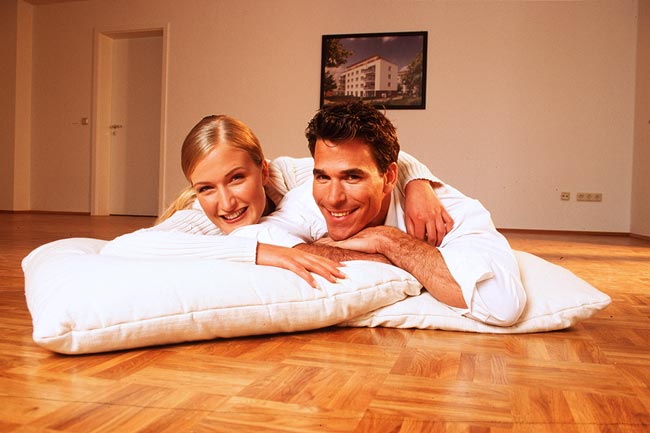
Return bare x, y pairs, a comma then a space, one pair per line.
341, 122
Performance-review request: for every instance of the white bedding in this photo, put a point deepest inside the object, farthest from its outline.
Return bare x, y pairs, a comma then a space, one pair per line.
83, 302
557, 299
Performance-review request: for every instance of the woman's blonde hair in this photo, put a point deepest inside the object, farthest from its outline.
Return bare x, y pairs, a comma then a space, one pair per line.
210, 132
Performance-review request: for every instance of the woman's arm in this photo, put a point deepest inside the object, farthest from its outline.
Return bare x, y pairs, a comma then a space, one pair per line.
286, 173
410, 168
425, 216
188, 234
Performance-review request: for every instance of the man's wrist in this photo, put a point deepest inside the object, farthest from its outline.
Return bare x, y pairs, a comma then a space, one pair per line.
387, 239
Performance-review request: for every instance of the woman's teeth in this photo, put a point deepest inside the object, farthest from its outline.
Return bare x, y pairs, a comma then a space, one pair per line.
234, 215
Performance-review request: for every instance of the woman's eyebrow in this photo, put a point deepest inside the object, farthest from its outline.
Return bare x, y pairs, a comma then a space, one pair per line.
229, 173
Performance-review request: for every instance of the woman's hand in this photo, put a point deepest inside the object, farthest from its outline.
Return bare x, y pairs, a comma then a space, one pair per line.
300, 262
426, 218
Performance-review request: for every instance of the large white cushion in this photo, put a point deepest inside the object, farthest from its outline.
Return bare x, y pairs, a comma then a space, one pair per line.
83, 302
557, 299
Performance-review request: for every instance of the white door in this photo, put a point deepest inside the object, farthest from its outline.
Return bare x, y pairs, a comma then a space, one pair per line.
135, 125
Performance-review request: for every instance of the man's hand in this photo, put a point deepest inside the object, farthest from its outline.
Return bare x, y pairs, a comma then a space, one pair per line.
301, 263
421, 259
425, 216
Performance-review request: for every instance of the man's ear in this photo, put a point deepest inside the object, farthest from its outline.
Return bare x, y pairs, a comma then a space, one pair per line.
390, 177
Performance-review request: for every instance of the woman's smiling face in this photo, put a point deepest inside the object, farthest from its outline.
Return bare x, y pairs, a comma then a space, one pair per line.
230, 187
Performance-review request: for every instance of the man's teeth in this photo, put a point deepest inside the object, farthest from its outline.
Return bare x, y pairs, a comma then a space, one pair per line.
340, 214
234, 215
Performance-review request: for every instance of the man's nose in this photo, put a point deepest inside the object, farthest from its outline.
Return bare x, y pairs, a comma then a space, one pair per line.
336, 193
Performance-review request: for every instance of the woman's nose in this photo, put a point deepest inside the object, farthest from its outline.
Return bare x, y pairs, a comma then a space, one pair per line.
226, 199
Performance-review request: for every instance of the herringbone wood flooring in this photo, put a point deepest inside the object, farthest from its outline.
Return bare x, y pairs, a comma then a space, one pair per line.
593, 378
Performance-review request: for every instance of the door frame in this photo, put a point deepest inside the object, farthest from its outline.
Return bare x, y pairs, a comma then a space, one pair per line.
101, 112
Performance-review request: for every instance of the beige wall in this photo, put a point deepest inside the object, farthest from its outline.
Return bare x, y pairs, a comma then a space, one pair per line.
23, 120
15, 104
8, 21
640, 223
524, 99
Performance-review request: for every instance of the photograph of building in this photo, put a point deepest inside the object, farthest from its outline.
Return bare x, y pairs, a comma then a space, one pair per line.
372, 77
385, 69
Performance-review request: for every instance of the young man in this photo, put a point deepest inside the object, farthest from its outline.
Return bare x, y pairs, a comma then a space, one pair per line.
357, 206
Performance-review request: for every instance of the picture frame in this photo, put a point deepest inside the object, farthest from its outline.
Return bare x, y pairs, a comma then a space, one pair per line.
387, 70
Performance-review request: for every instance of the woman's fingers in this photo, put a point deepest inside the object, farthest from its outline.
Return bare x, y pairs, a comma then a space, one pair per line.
322, 266
301, 263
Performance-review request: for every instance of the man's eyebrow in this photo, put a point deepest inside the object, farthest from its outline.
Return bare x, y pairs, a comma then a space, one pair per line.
354, 172
348, 172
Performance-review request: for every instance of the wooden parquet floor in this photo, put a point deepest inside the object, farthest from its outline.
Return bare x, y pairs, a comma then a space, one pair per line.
593, 378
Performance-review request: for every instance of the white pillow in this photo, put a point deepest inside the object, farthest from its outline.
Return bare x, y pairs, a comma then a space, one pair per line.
557, 299
83, 302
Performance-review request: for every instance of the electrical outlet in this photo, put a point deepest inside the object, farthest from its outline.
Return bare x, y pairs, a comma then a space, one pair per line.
589, 196
565, 196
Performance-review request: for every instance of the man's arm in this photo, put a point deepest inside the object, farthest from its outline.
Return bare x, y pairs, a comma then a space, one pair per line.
420, 259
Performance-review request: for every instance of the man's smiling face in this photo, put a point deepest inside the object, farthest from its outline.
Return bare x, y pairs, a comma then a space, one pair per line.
348, 188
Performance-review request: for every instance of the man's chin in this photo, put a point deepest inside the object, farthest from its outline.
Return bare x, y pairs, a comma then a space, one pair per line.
339, 235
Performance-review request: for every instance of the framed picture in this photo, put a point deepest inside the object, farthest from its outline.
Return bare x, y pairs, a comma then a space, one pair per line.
388, 70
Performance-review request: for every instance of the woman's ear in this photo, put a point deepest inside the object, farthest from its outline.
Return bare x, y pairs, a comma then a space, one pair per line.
265, 172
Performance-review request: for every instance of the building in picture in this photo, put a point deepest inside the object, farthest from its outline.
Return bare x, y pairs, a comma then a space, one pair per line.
372, 77
405, 89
